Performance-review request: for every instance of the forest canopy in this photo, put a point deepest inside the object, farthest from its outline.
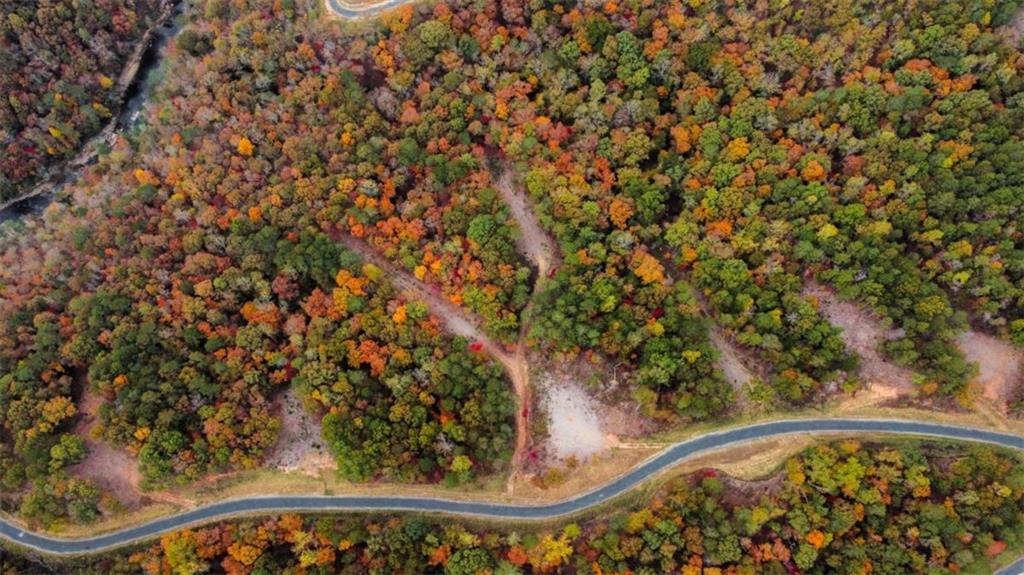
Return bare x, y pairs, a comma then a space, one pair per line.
698, 163
61, 63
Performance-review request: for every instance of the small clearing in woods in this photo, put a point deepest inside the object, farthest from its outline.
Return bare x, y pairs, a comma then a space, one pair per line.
580, 424
998, 364
743, 491
300, 446
533, 241
732, 361
114, 470
862, 334
574, 429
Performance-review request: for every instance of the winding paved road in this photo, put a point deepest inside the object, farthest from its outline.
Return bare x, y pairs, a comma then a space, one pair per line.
665, 459
349, 12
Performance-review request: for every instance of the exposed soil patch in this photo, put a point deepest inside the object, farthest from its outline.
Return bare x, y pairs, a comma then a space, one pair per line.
742, 492
533, 242
300, 446
862, 334
734, 362
998, 362
114, 470
574, 429
583, 422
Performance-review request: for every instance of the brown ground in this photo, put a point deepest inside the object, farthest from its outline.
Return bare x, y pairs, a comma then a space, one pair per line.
114, 470
300, 446
586, 419
999, 365
735, 363
862, 333
533, 242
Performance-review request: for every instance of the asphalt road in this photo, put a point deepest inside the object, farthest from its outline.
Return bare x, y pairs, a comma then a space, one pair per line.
351, 13
667, 458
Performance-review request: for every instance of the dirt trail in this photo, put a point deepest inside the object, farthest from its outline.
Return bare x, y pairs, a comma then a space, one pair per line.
541, 249
456, 319
461, 322
862, 333
533, 242
731, 360
739, 366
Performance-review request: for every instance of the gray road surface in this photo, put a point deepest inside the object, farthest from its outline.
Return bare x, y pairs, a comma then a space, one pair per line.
379, 504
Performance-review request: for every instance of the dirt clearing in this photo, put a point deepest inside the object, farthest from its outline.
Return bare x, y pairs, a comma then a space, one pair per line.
580, 423
998, 364
533, 242
734, 362
114, 470
300, 446
862, 333
574, 429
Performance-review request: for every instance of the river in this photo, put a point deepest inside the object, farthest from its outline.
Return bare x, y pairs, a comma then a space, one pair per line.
140, 88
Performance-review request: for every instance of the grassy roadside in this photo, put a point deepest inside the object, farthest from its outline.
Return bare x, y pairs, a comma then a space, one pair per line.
744, 461
750, 462
747, 461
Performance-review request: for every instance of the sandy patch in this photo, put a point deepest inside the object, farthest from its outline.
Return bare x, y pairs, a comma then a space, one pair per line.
114, 470
300, 446
584, 422
574, 429
998, 364
862, 333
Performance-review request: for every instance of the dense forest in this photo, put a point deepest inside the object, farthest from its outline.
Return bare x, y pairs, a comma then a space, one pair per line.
843, 507
687, 157
60, 68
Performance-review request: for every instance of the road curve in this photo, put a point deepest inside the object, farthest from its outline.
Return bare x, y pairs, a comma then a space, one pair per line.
349, 12
667, 458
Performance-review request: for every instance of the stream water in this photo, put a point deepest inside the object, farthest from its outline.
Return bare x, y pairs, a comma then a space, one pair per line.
148, 76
